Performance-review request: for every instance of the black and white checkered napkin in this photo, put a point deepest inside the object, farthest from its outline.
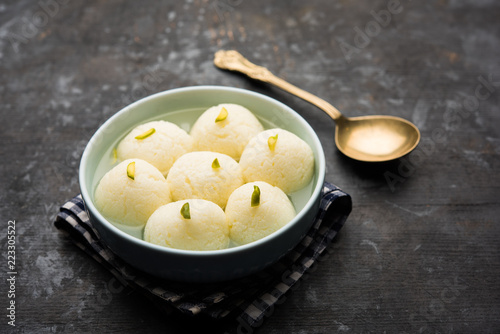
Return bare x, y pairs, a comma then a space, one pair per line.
247, 299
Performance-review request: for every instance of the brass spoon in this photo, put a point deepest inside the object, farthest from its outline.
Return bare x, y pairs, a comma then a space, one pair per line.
365, 138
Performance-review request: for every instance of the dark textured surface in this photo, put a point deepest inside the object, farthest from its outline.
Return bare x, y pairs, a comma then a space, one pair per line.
420, 251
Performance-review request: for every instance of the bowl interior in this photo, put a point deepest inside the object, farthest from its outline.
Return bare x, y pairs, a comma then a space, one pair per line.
183, 106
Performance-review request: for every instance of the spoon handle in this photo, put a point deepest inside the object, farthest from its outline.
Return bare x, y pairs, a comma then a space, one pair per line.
234, 61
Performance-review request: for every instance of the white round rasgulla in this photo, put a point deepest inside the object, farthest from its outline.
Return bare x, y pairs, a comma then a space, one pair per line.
206, 229
131, 201
161, 148
229, 135
288, 165
248, 223
194, 176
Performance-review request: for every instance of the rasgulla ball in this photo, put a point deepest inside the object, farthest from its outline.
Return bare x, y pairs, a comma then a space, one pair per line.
285, 161
225, 128
159, 142
248, 220
207, 175
204, 229
130, 192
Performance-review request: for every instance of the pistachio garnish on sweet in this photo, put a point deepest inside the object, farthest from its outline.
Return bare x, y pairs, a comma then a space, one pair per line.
215, 163
222, 115
271, 141
131, 170
185, 213
145, 134
115, 155
255, 201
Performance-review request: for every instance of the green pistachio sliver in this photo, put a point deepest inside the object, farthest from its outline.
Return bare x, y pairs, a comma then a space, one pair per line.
146, 134
185, 213
271, 141
222, 115
255, 196
131, 170
215, 163
115, 155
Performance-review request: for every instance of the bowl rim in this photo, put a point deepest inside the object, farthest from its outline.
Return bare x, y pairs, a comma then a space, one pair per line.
316, 192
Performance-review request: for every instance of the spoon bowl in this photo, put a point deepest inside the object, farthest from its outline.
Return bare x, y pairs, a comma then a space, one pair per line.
375, 138
366, 138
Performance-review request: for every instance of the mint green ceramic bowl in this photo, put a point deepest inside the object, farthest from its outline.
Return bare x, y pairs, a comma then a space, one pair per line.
183, 106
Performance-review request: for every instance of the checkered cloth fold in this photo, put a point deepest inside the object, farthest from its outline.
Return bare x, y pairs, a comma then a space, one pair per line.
247, 299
